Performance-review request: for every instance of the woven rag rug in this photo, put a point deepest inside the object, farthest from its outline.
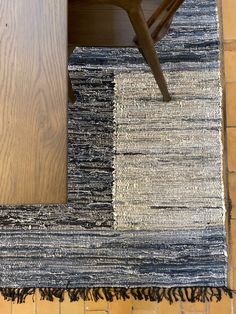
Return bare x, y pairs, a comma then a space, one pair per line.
146, 210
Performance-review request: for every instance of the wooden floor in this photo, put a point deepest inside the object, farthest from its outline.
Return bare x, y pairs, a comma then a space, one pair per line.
137, 307
33, 102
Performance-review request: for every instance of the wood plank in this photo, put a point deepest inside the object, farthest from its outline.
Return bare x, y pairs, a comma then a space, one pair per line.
229, 6
233, 247
165, 307
25, 308
99, 305
96, 312
144, 311
230, 45
144, 305
232, 192
120, 307
230, 66
33, 101
191, 308
5, 306
229, 9
223, 306
233, 261
67, 307
231, 104
231, 148
46, 307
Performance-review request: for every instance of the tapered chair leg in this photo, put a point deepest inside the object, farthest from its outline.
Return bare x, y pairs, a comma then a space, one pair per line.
71, 94
145, 42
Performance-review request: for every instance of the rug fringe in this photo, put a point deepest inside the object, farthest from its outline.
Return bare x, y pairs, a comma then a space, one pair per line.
174, 294
16, 294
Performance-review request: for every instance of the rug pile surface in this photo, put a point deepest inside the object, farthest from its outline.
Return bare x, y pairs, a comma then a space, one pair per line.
146, 210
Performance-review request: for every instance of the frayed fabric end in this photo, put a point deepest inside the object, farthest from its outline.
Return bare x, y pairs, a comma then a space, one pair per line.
17, 295
174, 294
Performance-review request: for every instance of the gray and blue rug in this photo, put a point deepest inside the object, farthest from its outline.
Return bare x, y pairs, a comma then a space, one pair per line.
146, 210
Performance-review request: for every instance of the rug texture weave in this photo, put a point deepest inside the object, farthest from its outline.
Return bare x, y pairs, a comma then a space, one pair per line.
146, 196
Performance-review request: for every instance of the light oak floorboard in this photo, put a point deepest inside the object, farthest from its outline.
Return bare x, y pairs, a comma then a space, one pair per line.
6, 306
47, 307
231, 103
67, 307
120, 307
231, 148
26, 308
33, 101
229, 9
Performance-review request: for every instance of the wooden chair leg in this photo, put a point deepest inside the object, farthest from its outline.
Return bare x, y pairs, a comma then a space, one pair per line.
71, 94
146, 44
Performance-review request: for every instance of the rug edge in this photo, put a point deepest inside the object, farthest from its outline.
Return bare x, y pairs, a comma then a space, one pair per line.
110, 294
